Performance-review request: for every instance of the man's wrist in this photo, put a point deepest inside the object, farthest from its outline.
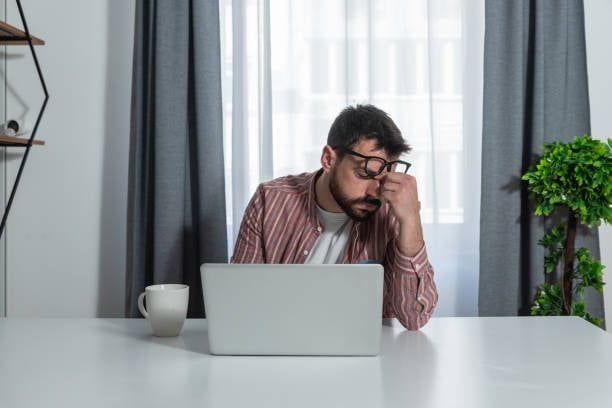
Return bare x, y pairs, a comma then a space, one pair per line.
410, 240
412, 249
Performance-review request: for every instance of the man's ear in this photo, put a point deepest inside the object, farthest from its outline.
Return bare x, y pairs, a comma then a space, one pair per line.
328, 158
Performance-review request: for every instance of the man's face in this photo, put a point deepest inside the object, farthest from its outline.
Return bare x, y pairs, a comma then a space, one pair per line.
357, 194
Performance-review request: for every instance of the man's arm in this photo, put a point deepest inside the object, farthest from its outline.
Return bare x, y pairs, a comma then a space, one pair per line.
249, 244
410, 291
409, 278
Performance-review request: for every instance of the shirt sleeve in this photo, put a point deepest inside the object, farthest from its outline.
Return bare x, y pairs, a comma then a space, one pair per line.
249, 246
410, 291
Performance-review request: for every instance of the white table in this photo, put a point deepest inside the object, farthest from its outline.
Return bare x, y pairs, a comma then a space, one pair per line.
452, 362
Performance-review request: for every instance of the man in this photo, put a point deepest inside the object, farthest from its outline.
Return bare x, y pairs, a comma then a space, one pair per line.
360, 206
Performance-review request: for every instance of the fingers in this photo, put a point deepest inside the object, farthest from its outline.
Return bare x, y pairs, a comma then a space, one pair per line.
399, 182
398, 178
400, 191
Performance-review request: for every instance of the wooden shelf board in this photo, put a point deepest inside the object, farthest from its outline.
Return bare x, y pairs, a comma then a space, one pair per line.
10, 35
18, 141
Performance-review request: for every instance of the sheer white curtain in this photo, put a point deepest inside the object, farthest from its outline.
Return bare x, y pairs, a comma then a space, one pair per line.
290, 66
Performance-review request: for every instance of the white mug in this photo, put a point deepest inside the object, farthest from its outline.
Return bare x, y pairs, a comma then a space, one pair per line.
166, 308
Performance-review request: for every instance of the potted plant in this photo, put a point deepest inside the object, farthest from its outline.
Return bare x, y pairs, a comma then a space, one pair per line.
572, 180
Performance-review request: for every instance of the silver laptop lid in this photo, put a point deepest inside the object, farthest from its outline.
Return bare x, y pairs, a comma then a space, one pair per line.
293, 309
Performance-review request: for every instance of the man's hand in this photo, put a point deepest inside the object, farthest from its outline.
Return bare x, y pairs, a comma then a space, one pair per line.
400, 191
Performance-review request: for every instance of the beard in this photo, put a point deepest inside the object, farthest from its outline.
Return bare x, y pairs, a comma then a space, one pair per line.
347, 204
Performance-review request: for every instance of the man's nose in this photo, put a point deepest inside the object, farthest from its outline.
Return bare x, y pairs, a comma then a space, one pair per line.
374, 186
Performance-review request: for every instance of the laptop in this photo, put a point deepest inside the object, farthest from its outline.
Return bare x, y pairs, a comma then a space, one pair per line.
293, 309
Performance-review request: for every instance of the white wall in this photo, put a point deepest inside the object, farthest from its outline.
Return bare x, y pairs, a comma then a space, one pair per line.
599, 59
66, 231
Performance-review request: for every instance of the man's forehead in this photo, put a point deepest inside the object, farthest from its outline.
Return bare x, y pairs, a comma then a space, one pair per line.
368, 147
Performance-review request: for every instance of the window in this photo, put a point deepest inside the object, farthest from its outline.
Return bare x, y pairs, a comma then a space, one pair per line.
298, 63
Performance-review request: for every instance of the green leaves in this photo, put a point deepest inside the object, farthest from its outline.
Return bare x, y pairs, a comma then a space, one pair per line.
579, 309
552, 240
589, 272
554, 237
552, 260
576, 176
548, 301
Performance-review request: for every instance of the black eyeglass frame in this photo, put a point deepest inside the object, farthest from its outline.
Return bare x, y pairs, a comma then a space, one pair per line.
387, 165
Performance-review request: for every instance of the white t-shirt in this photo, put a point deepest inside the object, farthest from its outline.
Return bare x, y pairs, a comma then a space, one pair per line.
329, 247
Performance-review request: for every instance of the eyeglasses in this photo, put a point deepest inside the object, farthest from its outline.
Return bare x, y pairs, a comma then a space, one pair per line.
375, 165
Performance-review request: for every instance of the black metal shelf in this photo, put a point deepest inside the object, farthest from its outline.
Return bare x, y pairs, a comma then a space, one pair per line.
10, 35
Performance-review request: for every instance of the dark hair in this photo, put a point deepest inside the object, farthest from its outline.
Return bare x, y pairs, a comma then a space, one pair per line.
366, 122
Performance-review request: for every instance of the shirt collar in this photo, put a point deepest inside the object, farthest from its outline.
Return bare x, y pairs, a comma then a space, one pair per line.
312, 196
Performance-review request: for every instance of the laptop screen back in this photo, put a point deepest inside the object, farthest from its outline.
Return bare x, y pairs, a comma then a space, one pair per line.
293, 309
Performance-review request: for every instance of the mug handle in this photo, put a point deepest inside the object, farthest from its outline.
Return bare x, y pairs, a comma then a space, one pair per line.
141, 306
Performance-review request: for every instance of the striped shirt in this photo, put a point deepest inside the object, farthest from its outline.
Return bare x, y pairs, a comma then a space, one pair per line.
280, 225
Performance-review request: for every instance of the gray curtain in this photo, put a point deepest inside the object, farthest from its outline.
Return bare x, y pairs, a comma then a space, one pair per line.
535, 91
176, 208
